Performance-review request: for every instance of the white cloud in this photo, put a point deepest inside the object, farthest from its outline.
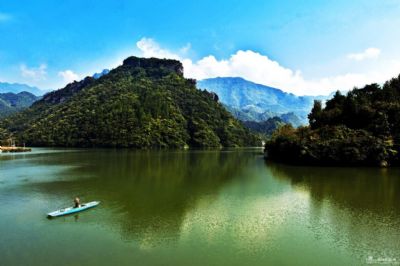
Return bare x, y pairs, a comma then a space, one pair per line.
261, 69
247, 64
368, 53
150, 48
34, 73
68, 76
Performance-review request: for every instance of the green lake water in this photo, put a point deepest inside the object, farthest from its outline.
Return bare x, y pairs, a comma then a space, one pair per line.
194, 208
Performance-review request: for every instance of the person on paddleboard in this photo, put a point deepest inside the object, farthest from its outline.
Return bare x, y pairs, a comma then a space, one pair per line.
77, 202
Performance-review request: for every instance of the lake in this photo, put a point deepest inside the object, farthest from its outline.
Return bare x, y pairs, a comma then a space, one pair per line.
194, 208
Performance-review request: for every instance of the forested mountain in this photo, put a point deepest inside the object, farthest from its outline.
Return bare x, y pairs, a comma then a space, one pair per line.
144, 103
249, 101
17, 88
12, 102
361, 128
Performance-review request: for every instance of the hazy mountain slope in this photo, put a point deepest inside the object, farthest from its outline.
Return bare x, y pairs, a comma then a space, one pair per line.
266, 127
17, 88
11, 102
251, 101
102, 73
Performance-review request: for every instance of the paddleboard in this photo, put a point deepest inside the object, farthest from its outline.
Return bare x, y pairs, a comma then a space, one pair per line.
71, 210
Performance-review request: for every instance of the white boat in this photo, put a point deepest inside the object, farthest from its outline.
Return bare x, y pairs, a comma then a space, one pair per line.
71, 210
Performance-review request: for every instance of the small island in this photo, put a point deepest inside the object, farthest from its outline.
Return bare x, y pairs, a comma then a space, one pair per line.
361, 128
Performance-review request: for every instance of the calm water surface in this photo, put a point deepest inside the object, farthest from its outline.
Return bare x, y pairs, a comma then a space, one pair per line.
194, 208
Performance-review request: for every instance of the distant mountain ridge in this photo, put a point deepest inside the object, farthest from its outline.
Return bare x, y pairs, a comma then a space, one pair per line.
13, 102
6, 87
102, 73
249, 101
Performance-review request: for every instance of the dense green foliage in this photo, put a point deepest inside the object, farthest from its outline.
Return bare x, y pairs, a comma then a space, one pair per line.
144, 103
13, 102
361, 128
4, 137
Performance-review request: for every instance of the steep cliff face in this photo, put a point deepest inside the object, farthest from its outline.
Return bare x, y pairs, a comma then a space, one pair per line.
155, 65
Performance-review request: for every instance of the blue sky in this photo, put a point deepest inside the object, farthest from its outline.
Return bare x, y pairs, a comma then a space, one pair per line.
304, 47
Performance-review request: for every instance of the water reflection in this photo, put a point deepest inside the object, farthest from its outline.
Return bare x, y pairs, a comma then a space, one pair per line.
149, 192
200, 207
367, 189
358, 207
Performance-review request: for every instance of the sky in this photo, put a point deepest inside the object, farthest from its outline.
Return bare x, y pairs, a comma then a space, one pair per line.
303, 47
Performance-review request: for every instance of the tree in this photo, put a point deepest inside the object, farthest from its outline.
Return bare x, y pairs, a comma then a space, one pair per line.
315, 115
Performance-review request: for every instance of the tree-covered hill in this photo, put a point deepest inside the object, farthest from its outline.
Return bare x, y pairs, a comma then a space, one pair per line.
361, 128
144, 103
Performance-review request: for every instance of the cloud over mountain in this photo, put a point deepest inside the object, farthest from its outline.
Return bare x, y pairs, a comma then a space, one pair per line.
68, 76
261, 69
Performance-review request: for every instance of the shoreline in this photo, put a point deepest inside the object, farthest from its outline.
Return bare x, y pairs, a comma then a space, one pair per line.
14, 149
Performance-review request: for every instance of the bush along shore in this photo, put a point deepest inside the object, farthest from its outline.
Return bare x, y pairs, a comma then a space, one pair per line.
360, 128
